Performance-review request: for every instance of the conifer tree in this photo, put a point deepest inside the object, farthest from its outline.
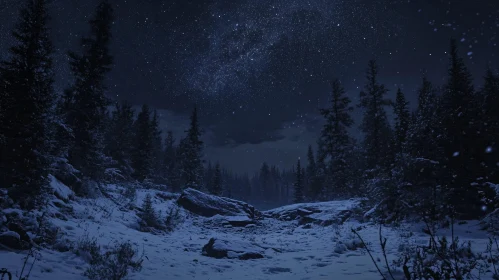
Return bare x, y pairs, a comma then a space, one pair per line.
298, 185
264, 181
490, 93
402, 119
169, 162
313, 186
142, 151
149, 215
89, 105
377, 131
191, 150
156, 147
216, 188
120, 137
423, 129
27, 102
336, 140
463, 152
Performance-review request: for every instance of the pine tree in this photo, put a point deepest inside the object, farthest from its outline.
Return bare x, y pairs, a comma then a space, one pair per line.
88, 92
216, 188
463, 152
27, 101
313, 184
156, 147
169, 162
377, 131
191, 155
423, 129
120, 136
143, 145
264, 180
149, 215
490, 93
402, 119
336, 140
298, 186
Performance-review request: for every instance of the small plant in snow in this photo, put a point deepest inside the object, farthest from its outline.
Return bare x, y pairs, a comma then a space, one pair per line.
172, 218
443, 259
149, 216
114, 264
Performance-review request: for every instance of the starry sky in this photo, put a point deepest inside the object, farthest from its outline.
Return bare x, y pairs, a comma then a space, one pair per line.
258, 70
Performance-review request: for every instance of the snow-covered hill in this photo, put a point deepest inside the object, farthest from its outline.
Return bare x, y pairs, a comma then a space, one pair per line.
302, 241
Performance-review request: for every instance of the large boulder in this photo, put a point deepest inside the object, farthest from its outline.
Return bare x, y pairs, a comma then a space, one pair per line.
321, 213
232, 249
210, 205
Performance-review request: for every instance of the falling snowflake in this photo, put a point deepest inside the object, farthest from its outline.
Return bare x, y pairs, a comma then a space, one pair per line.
488, 150
455, 154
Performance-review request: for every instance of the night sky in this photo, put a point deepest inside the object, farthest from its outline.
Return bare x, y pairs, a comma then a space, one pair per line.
258, 70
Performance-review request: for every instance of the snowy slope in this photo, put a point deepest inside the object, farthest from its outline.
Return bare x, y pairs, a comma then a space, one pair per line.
291, 251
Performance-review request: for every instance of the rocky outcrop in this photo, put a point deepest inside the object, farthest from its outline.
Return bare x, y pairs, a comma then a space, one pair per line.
210, 205
232, 249
321, 213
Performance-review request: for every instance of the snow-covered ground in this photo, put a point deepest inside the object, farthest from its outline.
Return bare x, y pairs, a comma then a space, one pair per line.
291, 251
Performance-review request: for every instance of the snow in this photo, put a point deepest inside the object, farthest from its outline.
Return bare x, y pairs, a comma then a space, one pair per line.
11, 233
291, 251
237, 247
60, 190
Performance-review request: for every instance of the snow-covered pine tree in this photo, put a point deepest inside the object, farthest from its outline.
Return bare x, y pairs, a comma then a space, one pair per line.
170, 162
143, 142
402, 119
156, 149
460, 116
321, 170
298, 185
119, 139
313, 189
191, 153
27, 104
375, 126
149, 215
336, 140
89, 106
421, 166
216, 185
490, 93
423, 128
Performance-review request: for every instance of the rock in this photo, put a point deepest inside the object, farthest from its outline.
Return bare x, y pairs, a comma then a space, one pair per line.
232, 249
240, 221
11, 239
210, 205
321, 213
23, 235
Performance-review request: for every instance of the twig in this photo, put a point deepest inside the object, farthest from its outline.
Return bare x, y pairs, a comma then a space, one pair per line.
369, 252
382, 242
491, 256
439, 254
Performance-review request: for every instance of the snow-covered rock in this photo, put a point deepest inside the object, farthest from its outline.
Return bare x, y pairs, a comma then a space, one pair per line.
323, 213
240, 221
210, 205
59, 189
232, 249
11, 240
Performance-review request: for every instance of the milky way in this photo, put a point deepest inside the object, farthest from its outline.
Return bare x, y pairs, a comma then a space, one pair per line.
244, 41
